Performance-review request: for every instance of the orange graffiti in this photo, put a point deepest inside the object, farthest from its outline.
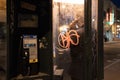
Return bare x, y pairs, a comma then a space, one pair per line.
64, 40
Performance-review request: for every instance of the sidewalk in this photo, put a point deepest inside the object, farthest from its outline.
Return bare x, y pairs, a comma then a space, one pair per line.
116, 40
112, 71
112, 60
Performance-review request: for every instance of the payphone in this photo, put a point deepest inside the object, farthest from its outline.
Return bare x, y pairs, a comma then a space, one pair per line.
30, 39
30, 43
29, 54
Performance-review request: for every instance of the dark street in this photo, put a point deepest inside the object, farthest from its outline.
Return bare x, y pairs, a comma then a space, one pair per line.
112, 60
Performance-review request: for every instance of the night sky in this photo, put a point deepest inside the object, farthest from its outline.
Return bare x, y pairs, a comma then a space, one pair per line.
116, 2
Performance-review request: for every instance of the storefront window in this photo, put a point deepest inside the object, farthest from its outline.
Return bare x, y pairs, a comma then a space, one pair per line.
68, 18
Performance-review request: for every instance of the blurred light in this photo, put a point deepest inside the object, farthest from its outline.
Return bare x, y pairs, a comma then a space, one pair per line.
118, 26
70, 1
63, 6
111, 18
111, 23
107, 17
77, 26
118, 20
64, 28
93, 20
113, 32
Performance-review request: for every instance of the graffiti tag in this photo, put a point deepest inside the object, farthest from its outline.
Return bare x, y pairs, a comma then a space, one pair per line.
64, 40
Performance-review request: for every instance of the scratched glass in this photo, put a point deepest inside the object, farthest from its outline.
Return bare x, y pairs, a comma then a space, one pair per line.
68, 17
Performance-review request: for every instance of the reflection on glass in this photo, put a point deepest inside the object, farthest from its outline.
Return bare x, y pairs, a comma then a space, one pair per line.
94, 36
94, 13
68, 18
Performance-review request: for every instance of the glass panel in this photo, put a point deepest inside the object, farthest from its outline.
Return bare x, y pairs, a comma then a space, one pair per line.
94, 13
3, 56
94, 36
68, 21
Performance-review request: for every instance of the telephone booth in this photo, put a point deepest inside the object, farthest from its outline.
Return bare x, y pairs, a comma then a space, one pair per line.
77, 28
49, 38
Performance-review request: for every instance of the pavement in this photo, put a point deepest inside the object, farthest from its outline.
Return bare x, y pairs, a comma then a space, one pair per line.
112, 60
